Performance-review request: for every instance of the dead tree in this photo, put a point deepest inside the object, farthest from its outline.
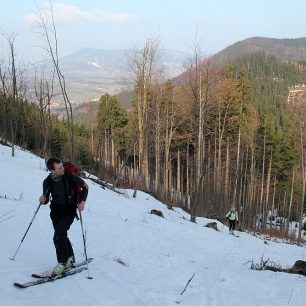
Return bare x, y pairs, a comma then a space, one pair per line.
43, 90
142, 63
48, 32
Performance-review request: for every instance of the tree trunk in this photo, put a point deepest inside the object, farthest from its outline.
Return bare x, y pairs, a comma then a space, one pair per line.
303, 184
290, 203
262, 182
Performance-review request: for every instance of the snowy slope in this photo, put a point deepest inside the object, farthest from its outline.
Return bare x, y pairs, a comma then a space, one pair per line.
160, 255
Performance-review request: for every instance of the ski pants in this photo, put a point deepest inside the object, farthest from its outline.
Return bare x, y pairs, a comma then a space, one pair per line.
232, 224
61, 225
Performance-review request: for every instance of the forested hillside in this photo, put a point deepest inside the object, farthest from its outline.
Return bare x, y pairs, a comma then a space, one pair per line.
283, 49
220, 135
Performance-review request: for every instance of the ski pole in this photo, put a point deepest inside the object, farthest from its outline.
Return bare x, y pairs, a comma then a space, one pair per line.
84, 243
37, 209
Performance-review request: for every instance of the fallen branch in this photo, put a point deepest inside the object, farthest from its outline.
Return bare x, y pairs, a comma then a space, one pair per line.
104, 185
260, 266
187, 284
8, 198
299, 267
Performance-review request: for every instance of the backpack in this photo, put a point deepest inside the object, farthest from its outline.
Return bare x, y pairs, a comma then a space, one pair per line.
230, 214
72, 168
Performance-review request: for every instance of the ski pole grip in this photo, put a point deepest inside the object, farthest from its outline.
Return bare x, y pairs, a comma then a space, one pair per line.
45, 195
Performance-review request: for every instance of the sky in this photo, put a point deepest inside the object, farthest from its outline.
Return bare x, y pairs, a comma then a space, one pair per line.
120, 24
140, 259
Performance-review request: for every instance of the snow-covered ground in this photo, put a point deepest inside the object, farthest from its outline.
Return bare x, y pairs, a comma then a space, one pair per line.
139, 259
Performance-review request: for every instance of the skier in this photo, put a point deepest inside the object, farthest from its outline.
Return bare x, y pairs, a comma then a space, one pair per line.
63, 187
232, 217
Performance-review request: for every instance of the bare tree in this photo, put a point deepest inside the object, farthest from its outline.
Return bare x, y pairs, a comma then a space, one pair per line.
48, 32
10, 91
303, 181
43, 89
5, 93
142, 63
198, 87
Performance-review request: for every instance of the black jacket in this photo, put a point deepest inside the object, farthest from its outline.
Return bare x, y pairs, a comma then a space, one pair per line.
66, 193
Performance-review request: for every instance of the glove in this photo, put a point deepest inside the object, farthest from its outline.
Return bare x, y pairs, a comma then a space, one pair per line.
42, 200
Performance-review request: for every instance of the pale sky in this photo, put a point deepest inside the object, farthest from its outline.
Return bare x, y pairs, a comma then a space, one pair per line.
119, 24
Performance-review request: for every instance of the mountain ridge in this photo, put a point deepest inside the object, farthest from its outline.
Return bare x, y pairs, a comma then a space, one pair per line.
91, 72
282, 48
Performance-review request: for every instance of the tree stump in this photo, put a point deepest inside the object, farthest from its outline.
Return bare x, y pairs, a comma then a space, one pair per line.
157, 213
212, 225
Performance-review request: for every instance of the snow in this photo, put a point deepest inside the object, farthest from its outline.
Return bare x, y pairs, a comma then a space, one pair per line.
139, 259
94, 64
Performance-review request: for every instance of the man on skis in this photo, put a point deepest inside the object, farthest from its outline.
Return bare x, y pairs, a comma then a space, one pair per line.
63, 187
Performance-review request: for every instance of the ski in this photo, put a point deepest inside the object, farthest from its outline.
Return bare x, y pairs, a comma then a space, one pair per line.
48, 273
233, 234
49, 278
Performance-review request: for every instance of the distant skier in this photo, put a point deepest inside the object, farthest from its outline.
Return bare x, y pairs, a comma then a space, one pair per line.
66, 198
232, 217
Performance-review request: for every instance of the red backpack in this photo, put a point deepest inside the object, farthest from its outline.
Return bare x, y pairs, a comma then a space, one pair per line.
71, 167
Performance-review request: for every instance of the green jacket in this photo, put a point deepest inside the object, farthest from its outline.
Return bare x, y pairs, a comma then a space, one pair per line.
232, 215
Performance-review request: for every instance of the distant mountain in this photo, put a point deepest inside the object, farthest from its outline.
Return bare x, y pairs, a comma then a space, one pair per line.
91, 73
293, 48
112, 65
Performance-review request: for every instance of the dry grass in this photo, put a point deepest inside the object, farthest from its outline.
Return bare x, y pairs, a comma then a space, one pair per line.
275, 235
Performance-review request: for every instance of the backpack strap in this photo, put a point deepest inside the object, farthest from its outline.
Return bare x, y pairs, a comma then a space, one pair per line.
70, 192
68, 186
